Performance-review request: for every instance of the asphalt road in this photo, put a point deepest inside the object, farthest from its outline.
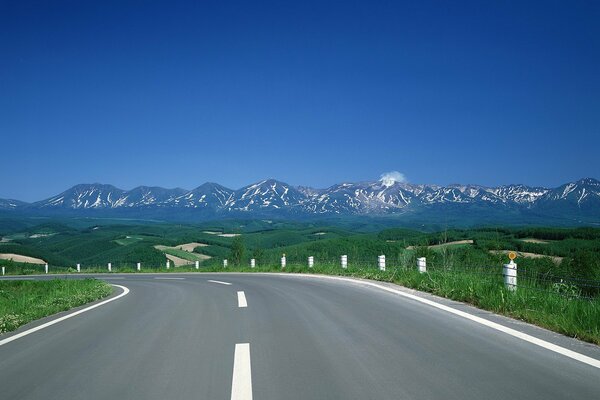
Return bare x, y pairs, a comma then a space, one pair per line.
283, 337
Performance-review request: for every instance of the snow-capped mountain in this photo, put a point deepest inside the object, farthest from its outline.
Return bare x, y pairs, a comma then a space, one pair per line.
264, 195
85, 197
210, 196
99, 196
272, 197
9, 204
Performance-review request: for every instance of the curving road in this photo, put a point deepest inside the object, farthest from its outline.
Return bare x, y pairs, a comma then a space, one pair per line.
285, 337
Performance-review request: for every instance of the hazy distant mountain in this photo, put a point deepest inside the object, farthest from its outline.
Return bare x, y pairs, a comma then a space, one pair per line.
576, 202
9, 204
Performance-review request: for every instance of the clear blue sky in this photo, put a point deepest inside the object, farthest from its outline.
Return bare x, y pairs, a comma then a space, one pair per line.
176, 93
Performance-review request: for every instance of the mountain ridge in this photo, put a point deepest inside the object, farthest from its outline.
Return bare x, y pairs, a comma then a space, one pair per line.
271, 197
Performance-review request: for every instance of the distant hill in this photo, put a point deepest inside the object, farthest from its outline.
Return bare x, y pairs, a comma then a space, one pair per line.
573, 203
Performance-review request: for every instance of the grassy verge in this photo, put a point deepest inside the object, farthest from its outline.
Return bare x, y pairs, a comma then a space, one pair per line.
24, 301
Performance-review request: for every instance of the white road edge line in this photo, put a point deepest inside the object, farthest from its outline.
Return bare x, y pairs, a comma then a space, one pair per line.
15, 278
64, 317
241, 383
170, 279
219, 282
509, 331
242, 299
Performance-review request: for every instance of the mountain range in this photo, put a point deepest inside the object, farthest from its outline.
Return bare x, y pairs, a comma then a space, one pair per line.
569, 204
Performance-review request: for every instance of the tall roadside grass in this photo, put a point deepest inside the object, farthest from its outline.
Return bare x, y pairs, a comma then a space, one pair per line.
24, 301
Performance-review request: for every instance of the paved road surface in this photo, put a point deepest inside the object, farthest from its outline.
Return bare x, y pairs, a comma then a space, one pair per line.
282, 337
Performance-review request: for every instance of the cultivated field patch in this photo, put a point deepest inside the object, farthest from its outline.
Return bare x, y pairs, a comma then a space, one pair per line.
437, 246
22, 259
533, 240
523, 254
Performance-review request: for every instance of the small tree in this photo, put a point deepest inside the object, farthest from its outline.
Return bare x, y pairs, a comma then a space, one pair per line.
258, 254
237, 250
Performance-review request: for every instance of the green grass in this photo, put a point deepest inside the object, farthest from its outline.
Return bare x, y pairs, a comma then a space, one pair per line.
24, 301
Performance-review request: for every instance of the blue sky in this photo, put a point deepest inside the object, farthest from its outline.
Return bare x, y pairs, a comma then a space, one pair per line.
176, 93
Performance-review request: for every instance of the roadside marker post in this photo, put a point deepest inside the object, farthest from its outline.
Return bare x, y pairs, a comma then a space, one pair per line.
3, 270
46, 268
139, 266
168, 264
344, 261
311, 261
510, 272
283, 262
381, 262
109, 267
252, 263
422, 264
78, 267
197, 264
225, 263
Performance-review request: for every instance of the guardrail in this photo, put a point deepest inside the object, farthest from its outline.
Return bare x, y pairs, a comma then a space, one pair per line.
567, 286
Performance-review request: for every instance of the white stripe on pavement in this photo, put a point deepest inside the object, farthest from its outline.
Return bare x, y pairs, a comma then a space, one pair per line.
219, 282
242, 300
57, 320
241, 383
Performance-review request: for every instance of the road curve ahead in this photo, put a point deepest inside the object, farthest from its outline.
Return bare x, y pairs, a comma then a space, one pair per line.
284, 337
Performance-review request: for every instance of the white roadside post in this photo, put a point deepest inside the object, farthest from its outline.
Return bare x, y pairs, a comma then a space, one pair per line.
197, 264
252, 263
510, 273
109, 267
3, 270
168, 264
311, 261
225, 263
422, 264
46, 268
381, 262
283, 262
139, 266
78, 267
344, 261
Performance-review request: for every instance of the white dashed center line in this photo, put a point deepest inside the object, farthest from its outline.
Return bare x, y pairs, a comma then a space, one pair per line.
241, 384
242, 299
219, 282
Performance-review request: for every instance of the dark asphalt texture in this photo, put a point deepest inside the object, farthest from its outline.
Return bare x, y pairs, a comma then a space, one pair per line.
309, 338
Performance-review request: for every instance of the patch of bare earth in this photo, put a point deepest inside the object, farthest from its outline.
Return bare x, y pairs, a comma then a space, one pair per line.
178, 262
41, 235
437, 246
537, 241
189, 247
20, 258
556, 259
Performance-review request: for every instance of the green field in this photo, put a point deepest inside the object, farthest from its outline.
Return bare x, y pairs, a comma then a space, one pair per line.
560, 289
94, 243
